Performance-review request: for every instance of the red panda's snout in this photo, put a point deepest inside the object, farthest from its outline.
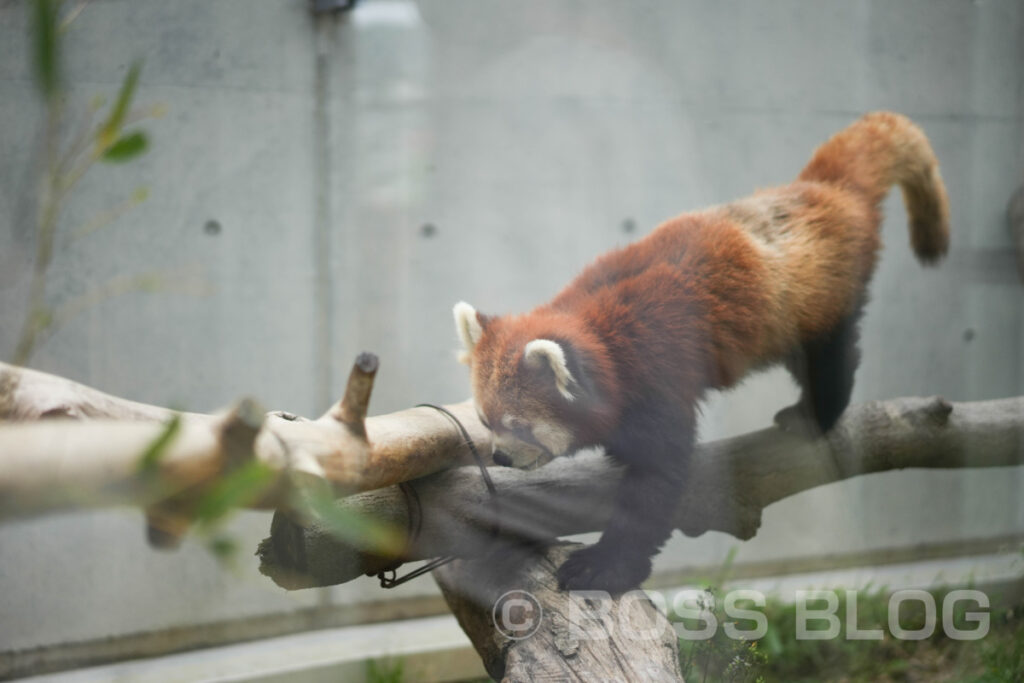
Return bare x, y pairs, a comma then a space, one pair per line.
512, 452
502, 458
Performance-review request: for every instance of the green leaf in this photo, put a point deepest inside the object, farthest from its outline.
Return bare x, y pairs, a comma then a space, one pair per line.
151, 457
46, 46
112, 127
354, 528
127, 147
42, 317
237, 489
223, 547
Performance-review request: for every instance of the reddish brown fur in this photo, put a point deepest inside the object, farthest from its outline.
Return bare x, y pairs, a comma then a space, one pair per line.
881, 150
711, 295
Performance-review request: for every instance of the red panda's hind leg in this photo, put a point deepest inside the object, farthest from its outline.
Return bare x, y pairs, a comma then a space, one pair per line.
824, 368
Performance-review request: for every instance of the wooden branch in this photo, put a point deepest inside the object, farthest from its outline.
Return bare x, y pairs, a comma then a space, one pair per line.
529, 630
27, 394
57, 464
97, 459
731, 482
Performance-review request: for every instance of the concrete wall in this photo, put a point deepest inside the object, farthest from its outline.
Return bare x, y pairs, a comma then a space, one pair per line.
531, 136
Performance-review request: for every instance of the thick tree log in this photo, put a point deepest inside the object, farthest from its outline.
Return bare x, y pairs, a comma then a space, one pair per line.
527, 629
731, 482
97, 459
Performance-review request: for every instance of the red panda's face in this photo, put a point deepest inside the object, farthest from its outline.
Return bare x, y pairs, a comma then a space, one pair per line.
518, 440
522, 388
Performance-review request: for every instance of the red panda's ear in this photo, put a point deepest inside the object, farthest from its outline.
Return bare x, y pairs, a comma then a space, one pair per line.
469, 325
544, 352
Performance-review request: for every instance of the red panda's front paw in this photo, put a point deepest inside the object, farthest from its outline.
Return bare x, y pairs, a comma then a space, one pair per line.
598, 568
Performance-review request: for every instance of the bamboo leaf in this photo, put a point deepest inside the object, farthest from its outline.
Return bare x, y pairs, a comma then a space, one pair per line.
46, 46
112, 127
352, 527
127, 147
238, 489
223, 547
151, 457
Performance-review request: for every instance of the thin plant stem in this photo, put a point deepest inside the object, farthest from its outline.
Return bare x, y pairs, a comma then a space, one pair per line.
36, 318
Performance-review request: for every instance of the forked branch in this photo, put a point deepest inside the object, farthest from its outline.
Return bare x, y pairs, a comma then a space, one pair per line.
100, 457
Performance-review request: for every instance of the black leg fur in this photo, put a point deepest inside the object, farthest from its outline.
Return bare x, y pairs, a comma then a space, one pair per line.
825, 372
510, 557
655, 452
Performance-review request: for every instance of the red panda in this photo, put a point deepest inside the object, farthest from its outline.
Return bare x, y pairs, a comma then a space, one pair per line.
622, 356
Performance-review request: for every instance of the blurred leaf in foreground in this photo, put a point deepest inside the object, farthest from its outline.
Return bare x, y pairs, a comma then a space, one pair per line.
127, 147
352, 527
46, 46
110, 130
235, 490
150, 458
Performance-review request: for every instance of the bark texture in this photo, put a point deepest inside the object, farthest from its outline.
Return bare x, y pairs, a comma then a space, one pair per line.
527, 629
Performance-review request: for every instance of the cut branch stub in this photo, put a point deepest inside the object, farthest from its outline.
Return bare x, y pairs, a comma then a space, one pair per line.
168, 521
351, 409
239, 430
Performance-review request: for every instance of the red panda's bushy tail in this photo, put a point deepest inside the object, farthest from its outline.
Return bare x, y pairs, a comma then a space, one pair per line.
880, 150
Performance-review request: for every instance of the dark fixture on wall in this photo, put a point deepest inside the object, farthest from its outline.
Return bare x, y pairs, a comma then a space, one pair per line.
1015, 221
326, 6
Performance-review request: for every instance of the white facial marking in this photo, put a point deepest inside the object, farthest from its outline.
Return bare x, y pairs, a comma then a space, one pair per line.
511, 421
553, 437
467, 325
546, 351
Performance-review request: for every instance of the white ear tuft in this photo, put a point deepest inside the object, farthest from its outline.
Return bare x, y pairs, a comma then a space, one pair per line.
545, 351
467, 325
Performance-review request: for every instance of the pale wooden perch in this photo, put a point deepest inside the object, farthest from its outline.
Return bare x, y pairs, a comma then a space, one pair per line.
57, 463
732, 481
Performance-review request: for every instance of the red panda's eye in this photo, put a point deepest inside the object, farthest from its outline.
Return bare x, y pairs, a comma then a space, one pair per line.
524, 433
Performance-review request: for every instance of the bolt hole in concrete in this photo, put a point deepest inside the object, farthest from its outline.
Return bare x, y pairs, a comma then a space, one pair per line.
628, 225
428, 230
212, 227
